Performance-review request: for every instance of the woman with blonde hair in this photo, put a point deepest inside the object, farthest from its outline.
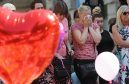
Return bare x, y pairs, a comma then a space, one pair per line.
121, 22
86, 36
120, 33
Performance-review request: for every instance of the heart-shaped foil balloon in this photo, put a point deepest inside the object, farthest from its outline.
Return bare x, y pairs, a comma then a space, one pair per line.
28, 42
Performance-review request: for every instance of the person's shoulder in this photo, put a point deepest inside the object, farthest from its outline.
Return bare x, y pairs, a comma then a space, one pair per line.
106, 31
76, 26
64, 20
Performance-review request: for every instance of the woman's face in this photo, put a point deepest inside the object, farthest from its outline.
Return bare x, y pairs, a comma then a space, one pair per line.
38, 6
99, 21
60, 17
125, 16
86, 17
83, 14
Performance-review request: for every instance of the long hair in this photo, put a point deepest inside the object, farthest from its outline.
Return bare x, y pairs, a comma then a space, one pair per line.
122, 9
61, 8
75, 14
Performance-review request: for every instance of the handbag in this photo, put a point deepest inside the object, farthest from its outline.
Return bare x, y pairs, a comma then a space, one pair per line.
62, 68
87, 70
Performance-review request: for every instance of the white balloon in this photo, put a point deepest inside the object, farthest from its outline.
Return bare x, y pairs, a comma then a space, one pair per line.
107, 65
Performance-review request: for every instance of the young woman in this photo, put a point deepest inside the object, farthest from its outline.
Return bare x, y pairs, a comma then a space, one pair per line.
61, 10
85, 39
120, 33
106, 43
49, 76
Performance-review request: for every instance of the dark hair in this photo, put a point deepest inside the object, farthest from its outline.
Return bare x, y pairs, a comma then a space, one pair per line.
75, 14
69, 19
32, 5
111, 22
123, 2
38, 1
61, 8
97, 16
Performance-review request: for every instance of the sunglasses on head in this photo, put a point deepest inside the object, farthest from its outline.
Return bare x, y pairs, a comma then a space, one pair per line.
125, 13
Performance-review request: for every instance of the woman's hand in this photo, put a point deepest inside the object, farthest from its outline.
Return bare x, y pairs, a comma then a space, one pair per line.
87, 21
95, 25
95, 32
70, 52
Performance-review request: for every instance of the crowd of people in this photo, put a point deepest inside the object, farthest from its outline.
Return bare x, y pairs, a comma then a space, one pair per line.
83, 40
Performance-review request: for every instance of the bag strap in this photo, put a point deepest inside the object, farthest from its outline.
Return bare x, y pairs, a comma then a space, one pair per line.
69, 54
64, 68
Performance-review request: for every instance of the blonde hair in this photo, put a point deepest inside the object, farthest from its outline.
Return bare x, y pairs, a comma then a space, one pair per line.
96, 10
84, 8
122, 9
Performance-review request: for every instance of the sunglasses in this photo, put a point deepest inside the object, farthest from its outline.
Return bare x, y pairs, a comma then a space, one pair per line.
125, 13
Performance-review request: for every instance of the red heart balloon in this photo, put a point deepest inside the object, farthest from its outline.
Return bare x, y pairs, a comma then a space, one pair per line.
28, 42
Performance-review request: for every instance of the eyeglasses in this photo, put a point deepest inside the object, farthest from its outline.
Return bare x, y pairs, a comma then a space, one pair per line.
125, 13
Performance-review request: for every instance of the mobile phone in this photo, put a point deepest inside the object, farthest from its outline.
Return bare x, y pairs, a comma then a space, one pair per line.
88, 17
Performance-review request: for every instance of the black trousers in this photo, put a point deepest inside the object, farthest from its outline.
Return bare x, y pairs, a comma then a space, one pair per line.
102, 81
84, 80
